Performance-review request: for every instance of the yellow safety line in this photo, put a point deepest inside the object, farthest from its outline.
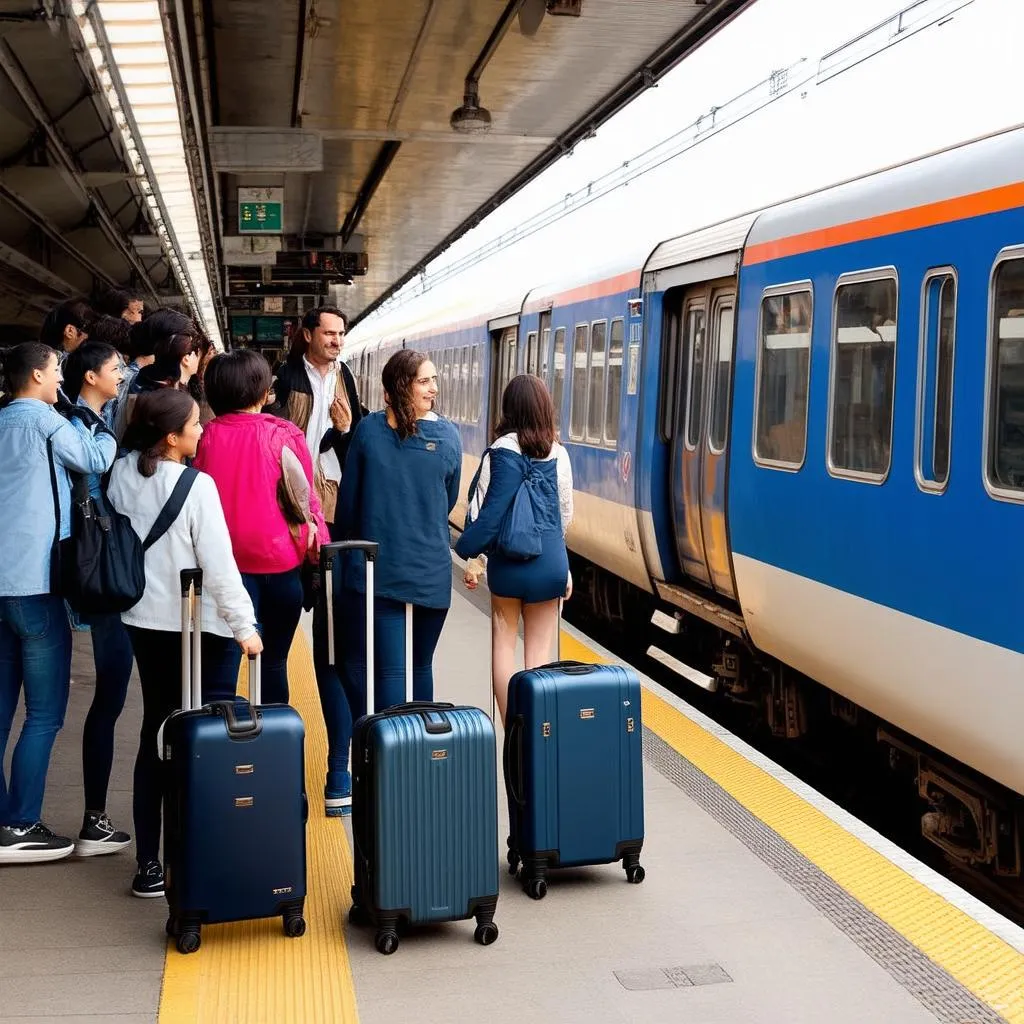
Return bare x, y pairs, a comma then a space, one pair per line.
249, 973
982, 962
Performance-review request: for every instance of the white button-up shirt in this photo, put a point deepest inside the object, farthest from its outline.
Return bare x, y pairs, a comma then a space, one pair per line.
324, 389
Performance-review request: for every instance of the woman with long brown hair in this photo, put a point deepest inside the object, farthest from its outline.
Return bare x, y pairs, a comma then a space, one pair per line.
525, 483
401, 481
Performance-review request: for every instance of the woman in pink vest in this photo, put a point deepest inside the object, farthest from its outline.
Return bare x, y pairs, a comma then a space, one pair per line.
264, 475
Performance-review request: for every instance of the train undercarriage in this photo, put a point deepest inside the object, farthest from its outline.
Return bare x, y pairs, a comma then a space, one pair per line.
899, 784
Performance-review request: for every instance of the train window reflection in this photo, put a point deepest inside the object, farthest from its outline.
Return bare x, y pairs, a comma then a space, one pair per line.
1006, 403
473, 405
784, 362
578, 396
558, 375
596, 381
695, 374
935, 380
722, 375
611, 414
863, 376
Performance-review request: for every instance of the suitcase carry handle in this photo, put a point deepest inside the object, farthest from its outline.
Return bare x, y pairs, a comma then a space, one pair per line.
514, 741
424, 709
252, 724
572, 668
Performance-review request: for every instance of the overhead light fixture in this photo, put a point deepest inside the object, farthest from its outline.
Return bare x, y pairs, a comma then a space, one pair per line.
567, 8
125, 41
471, 118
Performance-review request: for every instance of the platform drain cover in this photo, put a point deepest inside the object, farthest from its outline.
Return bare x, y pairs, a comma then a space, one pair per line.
672, 977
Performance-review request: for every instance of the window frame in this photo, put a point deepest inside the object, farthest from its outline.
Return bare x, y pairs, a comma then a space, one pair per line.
927, 485
574, 437
596, 441
725, 300
554, 370
887, 273
613, 443
803, 286
995, 490
697, 302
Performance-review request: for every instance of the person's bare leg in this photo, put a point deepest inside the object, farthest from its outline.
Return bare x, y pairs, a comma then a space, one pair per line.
540, 628
504, 633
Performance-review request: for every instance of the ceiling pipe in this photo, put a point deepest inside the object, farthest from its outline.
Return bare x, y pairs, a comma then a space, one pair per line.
471, 117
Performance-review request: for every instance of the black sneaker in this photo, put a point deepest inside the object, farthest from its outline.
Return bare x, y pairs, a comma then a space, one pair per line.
32, 844
98, 836
149, 882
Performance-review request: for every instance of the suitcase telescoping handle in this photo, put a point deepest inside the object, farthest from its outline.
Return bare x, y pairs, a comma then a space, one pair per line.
191, 638
572, 668
327, 554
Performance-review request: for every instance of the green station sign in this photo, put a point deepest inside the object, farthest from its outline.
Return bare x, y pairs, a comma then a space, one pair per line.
260, 211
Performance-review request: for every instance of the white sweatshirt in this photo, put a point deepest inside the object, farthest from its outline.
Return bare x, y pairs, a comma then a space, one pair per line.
197, 538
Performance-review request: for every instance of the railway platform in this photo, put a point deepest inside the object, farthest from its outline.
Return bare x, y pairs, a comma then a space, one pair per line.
762, 902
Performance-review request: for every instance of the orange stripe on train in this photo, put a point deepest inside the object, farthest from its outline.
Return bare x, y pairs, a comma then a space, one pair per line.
993, 200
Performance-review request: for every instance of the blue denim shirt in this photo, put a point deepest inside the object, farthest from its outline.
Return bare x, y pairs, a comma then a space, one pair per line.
26, 494
95, 479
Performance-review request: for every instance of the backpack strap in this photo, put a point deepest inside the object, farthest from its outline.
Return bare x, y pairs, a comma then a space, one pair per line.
172, 507
55, 547
470, 494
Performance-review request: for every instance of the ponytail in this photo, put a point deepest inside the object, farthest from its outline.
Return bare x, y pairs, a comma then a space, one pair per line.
156, 415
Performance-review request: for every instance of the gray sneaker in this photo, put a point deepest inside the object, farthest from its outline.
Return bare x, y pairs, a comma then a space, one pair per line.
32, 844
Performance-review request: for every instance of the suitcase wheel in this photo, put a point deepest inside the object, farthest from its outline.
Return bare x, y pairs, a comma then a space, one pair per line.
536, 888
513, 862
189, 940
485, 934
294, 926
386, 941
357, 916
635, 874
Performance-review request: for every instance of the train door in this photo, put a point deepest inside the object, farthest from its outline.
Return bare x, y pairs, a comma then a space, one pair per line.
503, 364
704, 316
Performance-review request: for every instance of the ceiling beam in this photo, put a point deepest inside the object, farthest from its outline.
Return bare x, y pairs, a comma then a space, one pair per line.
444, 138
11, 67
30, 268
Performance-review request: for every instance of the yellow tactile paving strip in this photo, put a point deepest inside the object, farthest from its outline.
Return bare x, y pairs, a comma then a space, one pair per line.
249, 973
980, 961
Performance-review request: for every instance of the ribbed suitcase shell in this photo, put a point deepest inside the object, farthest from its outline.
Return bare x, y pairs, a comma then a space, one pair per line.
574, 766
234, 838
425, 815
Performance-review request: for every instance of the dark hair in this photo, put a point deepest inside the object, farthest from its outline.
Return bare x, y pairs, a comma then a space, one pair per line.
113, 331
310, 322
528, 412
75, 312
397, 377
19, 362
236, 380
172, 336
156, 414
114, 302
88, 357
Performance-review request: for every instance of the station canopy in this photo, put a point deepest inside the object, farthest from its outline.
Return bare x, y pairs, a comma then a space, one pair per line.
324, 151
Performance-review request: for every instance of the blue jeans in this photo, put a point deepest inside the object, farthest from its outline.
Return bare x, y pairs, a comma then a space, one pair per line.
277, 598
35, 651
112, 657
388, 650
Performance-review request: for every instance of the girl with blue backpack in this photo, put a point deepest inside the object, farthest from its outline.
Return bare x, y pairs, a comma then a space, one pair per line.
520, 507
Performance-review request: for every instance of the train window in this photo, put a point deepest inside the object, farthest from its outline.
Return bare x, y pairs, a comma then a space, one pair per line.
783, 369
596, 381
1006, 387
611, 412
695, 373
935, 379
669, 374
721, 369
532, 355
558, 375
545, 356
578, 394
473, 405
863, 376
464, 392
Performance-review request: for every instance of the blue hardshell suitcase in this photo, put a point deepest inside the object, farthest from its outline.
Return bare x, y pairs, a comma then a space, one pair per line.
573, 758
424, 805
235, 804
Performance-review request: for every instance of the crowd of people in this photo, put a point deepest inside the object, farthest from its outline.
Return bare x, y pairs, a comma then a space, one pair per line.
219, 464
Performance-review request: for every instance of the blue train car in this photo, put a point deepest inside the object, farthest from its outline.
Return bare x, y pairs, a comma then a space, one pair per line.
790, 434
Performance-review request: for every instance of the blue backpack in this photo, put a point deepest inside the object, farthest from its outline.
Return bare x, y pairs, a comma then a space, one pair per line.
519, 537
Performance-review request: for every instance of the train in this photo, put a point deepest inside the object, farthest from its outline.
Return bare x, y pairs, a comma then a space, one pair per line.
790, 432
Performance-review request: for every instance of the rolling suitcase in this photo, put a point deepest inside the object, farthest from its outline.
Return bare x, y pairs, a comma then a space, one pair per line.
424, 804
234, 801
573, 762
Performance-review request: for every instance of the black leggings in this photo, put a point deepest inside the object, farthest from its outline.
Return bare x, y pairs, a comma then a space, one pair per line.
158, 657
